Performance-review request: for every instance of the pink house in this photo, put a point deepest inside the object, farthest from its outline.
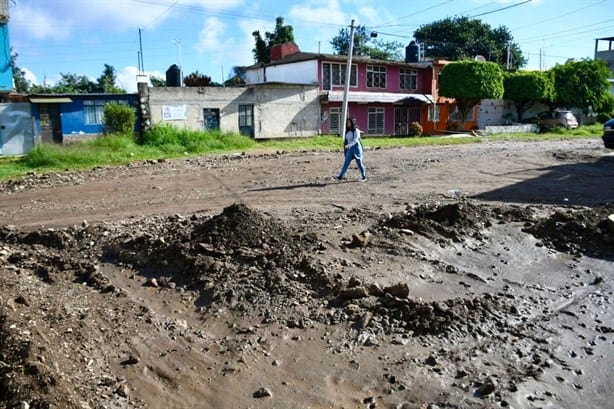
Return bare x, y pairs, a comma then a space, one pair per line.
385, 96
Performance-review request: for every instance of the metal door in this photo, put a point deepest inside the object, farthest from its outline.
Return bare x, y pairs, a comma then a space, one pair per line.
51, 123
403, 117
246, 120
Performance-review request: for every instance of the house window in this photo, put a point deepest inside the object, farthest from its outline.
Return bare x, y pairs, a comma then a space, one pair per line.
375, 125
434, 113
334, 75
335, 120
408, 79
376, 76
94, 109
455, 114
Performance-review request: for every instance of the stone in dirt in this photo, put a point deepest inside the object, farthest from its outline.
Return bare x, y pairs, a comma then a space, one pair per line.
263, 393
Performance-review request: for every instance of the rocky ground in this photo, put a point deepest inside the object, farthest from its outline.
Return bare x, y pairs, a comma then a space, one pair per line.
475, 276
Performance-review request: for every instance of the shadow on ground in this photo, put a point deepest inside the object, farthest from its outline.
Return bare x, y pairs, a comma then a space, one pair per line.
589, 183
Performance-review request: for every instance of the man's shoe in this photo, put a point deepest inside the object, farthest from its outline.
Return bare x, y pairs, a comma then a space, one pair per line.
337, 178
363, 179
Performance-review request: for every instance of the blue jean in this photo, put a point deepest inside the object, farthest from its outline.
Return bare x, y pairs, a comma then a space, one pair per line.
355, 152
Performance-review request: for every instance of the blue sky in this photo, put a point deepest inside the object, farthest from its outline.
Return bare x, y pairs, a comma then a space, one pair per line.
212, 36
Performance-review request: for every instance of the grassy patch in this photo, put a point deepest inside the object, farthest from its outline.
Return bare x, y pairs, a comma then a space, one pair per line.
169, 142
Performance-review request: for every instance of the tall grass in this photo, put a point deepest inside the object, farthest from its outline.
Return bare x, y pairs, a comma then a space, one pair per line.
171, 140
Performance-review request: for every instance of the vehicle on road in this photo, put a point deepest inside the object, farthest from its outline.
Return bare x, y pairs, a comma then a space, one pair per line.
608, 134
556, 119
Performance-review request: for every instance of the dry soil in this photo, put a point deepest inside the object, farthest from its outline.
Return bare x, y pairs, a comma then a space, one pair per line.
474, 276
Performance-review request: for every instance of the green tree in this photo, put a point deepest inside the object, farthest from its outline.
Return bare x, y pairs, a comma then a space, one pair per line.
68, 84
386, 50
469, 82
525, 88
197, 79
366, 45
581, 84
461, 38
157, 81
282, 34
19, 75
236, 77
341, 42
106, 82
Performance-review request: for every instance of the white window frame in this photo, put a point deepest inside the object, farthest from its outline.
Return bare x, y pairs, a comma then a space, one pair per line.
376, 75
340, 75
434, 113
334, 120
376, 121
408, 79
93, 110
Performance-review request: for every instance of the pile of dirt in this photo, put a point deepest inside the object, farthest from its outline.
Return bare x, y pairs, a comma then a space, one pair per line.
390, 310
578, 232
239, 259
454, 221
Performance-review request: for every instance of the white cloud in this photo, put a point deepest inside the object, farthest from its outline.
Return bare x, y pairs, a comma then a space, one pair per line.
39, 23
126, 78
44, 19
29, 76
212, 36
318, 11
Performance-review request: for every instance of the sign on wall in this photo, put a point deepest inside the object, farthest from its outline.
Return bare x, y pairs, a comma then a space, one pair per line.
174, 112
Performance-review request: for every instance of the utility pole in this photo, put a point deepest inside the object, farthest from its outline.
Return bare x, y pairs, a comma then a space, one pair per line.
141, 66
346, 89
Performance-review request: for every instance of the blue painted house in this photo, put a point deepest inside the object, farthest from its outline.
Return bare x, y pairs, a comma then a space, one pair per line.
6, 71
62, 118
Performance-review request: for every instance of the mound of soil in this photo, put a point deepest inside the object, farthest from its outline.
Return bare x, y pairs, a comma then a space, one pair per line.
454, 221
577, 231
238, 259
391, 311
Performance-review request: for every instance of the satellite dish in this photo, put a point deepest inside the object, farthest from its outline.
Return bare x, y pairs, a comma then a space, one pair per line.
479, 58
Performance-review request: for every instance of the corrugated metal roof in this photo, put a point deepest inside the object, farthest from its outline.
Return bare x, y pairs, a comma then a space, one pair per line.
383, 97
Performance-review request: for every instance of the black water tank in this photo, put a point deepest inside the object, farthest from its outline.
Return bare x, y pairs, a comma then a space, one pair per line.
412, 52
173, 76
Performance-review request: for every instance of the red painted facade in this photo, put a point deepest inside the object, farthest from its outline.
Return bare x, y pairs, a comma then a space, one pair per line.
385, 97
397, 114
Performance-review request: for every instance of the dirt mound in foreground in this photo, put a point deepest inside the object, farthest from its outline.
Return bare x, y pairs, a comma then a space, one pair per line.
240, 259
578, 232
454, 221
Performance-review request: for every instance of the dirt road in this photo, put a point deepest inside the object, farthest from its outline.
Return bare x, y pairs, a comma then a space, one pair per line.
456, 277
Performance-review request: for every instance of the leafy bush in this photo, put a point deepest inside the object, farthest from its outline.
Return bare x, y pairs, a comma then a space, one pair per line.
119, 118
603, 117
415, 129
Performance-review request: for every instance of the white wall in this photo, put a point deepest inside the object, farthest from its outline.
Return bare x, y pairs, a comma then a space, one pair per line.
280, 111
303, 72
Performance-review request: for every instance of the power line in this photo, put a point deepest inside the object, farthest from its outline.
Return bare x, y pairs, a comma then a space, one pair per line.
583, 8
413, 14
501, 9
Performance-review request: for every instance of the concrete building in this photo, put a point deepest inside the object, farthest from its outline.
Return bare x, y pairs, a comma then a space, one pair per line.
385, 97
264, 111
604, 50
